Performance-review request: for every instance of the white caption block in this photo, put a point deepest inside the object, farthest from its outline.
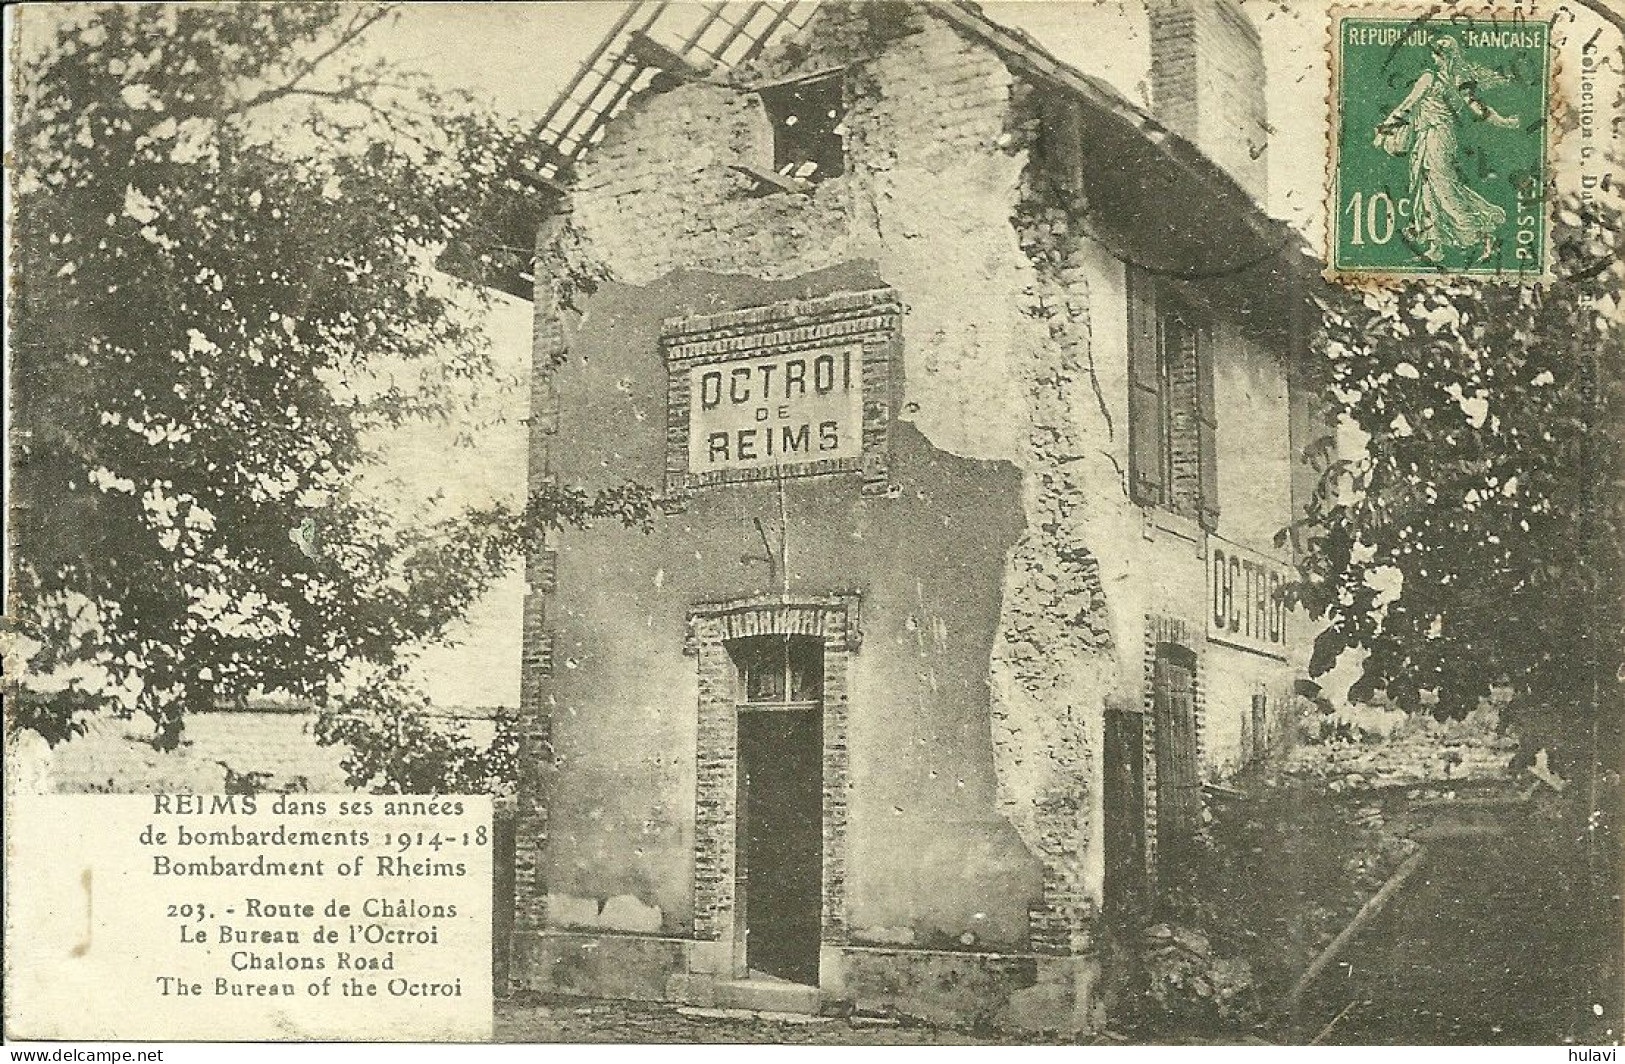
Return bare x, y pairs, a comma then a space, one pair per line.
172, 917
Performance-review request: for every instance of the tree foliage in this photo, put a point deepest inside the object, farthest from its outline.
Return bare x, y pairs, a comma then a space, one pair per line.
1475, 540
394, 743
227, 222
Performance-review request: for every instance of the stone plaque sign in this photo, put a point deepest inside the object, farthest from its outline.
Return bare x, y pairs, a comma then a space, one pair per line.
776, 410
797, 388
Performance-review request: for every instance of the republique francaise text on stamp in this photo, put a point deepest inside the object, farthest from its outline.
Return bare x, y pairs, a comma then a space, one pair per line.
1439, 146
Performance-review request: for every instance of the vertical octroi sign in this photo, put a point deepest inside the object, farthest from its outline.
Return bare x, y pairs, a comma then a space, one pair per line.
1246, 604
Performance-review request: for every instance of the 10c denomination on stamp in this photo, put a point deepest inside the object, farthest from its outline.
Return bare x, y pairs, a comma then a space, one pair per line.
1439, 146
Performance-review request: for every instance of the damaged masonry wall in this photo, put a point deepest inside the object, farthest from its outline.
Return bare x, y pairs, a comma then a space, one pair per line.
994, 352
1011, 411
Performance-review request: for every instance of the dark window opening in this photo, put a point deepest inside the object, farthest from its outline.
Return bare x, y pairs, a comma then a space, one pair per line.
809, 130
779, 670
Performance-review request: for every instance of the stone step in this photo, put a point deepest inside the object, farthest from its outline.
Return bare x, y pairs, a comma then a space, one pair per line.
768, 995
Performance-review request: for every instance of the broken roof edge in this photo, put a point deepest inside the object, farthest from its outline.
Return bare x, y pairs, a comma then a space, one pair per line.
1030, 59
1024, 53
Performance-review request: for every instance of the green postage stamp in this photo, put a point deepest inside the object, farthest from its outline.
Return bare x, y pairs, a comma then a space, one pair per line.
1439, 146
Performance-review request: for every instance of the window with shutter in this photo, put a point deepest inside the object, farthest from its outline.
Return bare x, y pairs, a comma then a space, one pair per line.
1179, 356
1173, 419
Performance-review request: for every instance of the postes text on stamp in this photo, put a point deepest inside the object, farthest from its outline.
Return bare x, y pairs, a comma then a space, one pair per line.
1439, 146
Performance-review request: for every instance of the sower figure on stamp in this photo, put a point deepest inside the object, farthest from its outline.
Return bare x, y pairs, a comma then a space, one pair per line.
1444, 211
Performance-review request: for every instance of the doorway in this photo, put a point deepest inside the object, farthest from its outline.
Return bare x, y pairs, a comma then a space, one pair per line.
1179, 774
1124, 793
779, 887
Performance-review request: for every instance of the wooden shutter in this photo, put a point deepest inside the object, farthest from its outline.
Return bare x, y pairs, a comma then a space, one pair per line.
1207, 430
1145, 428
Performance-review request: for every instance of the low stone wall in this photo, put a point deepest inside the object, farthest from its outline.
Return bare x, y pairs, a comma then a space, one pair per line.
1009, 991
1406, 751
630, 967
277, 747
116, 756
1024, 992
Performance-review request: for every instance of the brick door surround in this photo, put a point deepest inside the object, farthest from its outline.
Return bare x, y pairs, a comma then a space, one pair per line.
834, 620
1165, 630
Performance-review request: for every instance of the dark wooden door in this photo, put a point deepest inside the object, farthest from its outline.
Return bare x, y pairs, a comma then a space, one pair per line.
782, 803
1179, 777
1125, 814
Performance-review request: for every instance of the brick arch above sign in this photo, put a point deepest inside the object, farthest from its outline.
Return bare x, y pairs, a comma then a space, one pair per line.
798, 388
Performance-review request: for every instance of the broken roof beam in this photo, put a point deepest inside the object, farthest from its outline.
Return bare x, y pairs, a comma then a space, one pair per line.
555, 166
550, 184
735, 31
766, 182
652, 53
597, 53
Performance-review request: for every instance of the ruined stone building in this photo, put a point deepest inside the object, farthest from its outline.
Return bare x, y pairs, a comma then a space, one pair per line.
968, 386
